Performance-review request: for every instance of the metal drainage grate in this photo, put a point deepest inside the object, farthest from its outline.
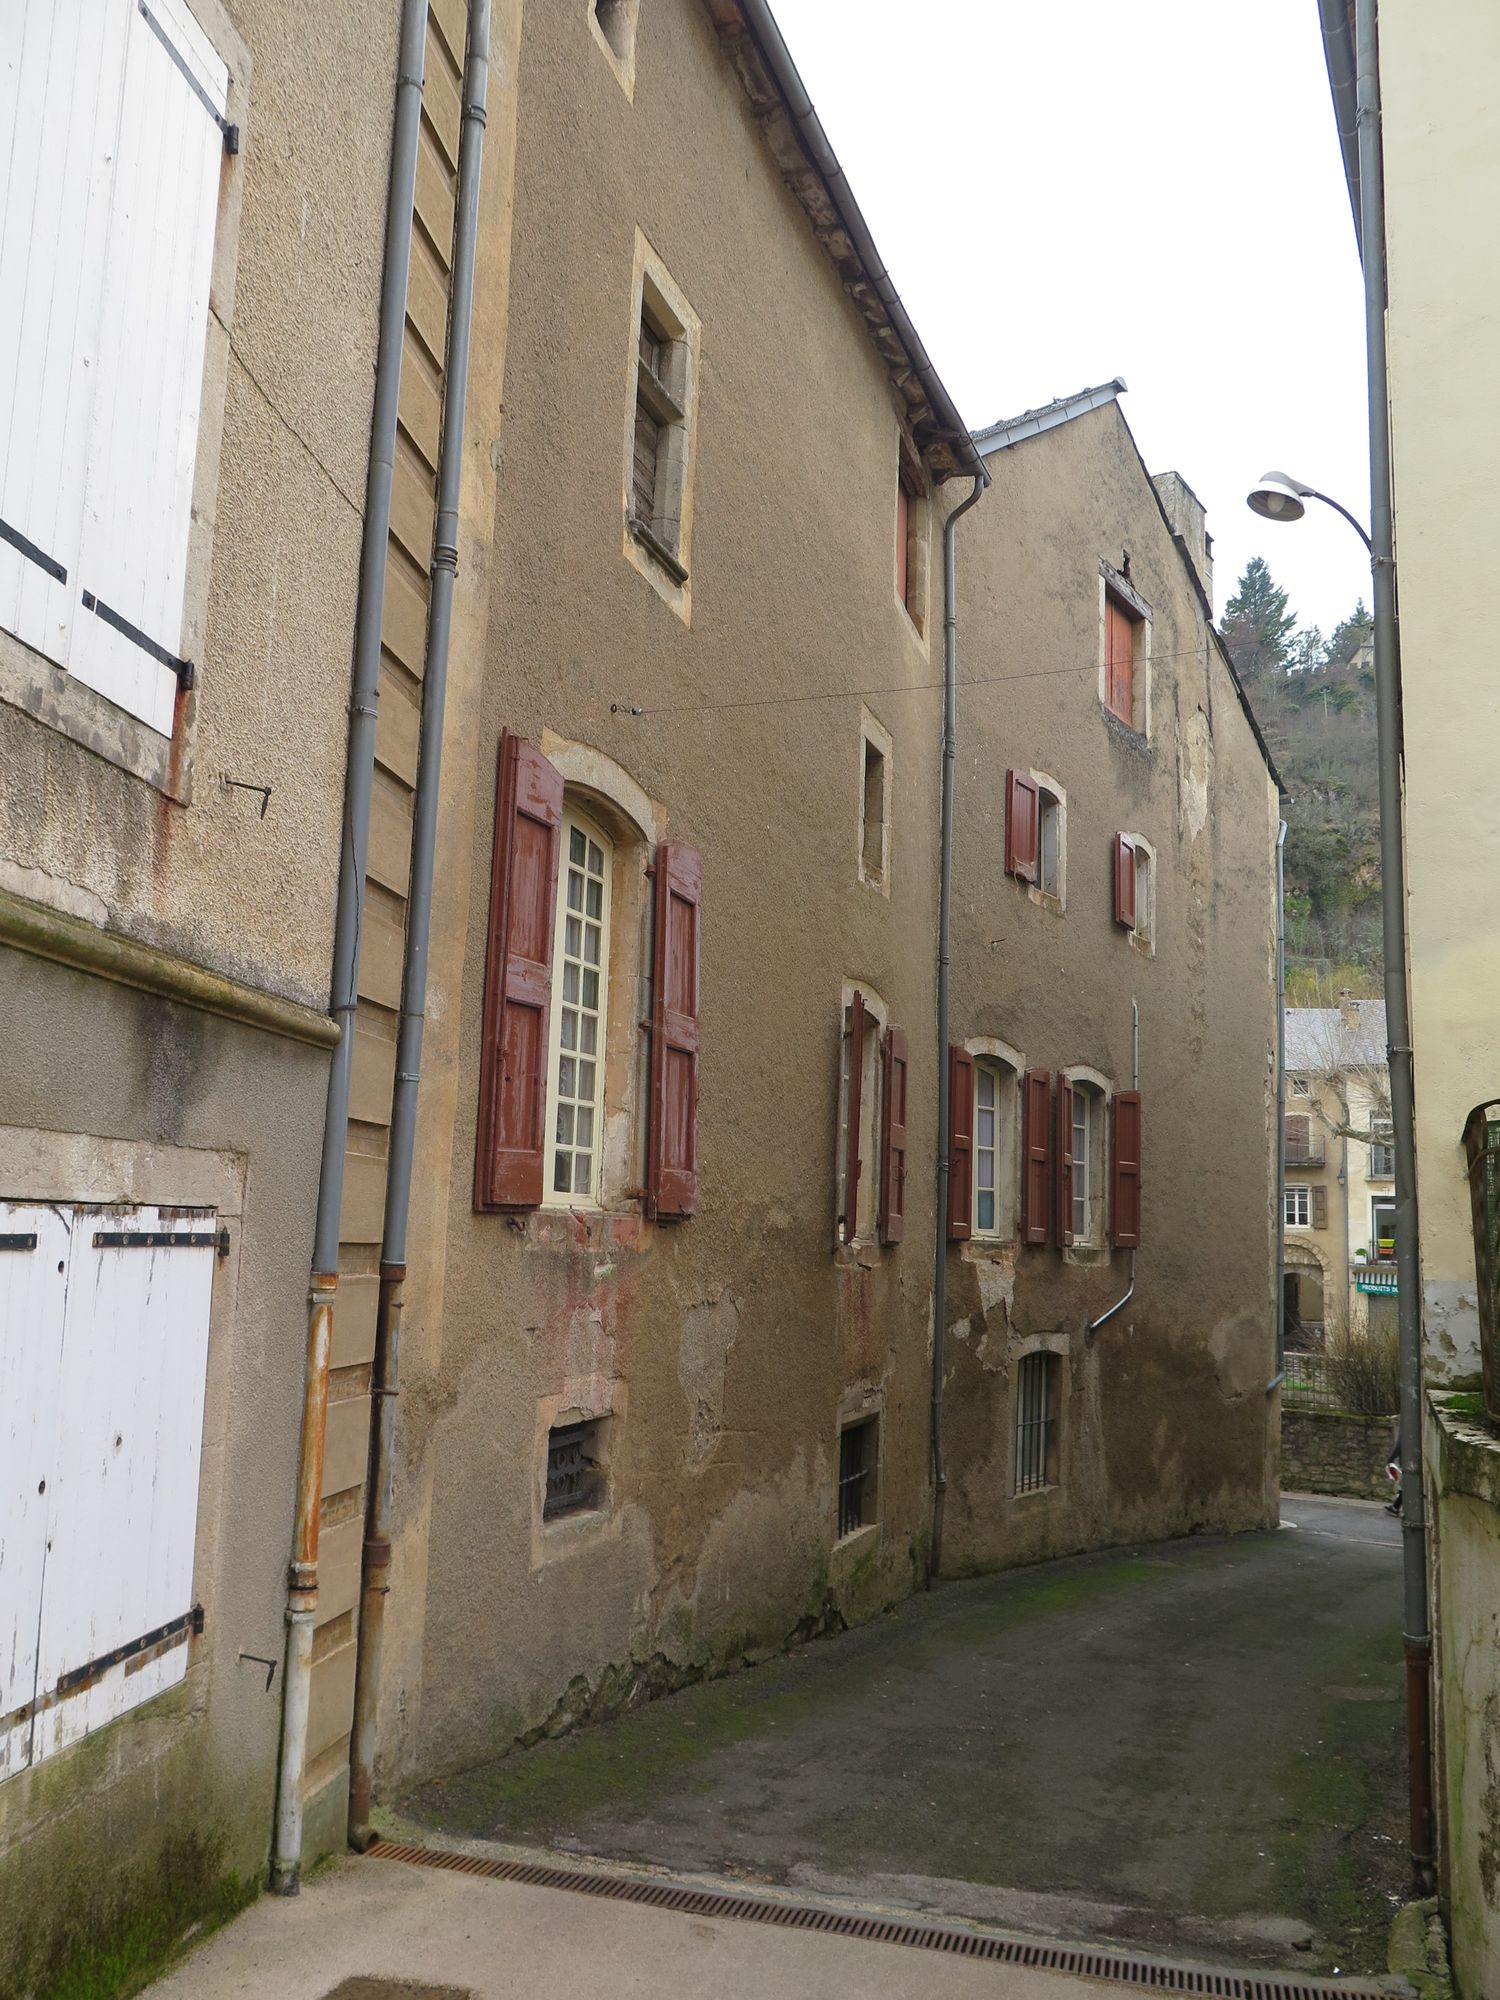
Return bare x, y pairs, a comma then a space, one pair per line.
1078, 1960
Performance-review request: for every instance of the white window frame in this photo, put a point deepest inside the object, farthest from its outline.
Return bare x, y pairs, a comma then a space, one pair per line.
1051, 804
1143, 862
53, 695
1090, 1187
1006, 1065
1382, 1144
1300, 1087
1296, 1196
576, 821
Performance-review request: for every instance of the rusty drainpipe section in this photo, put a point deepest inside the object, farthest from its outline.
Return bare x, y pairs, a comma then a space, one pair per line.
382, 1477
944, 954
302, 1592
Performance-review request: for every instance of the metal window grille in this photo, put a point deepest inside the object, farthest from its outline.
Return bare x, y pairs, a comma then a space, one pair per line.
574, 1477
1036, 1422
856, 1475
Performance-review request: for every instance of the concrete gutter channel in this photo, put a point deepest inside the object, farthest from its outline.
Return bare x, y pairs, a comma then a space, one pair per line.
719, 1897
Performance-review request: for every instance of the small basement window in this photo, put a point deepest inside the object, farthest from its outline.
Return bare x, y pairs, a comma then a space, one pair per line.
575, 1469
1037, 1394
858, 1461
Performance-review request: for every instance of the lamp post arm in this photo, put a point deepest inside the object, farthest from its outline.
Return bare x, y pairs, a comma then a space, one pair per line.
1312, 493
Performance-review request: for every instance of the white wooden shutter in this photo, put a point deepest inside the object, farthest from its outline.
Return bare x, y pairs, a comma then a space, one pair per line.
122, 1463
62, 68
138, 489
33, 1286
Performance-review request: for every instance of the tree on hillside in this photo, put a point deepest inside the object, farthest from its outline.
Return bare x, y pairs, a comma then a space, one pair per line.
1257, 626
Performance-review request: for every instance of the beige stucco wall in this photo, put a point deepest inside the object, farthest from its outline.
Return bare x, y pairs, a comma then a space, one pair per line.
111, 1091
1166, 1426
1439, 60
727, 1345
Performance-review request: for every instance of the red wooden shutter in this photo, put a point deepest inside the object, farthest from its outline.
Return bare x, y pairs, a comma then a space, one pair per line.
1123, 853
1063, 1142
511, 1138
1022, 825
1119, 673
849, 1209
903, 535
672, 1136
960, 1143
1125, 1170
893, 1140
1036, 1154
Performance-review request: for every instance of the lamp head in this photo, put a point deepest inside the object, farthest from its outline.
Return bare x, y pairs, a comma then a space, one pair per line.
1276, 496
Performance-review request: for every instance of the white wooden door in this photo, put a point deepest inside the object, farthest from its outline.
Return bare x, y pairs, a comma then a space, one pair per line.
33, 1288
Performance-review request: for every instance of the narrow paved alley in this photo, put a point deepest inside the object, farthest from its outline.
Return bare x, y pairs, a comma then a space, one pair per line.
1193, 1747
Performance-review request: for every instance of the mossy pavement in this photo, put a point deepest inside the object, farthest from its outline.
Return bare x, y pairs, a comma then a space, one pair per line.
1193, 1745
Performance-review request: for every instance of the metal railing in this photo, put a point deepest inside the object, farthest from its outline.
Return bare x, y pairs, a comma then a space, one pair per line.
1308, 1384
1306, 1152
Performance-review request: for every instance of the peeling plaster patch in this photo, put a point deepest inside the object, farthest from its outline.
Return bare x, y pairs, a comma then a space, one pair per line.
961, 1329
588, 1363
709, 1330
997, 1284
54, 893
1195, 773
1240, 1355
1450, 1329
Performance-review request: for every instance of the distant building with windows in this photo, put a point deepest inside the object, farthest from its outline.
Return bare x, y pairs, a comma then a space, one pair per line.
1339, 1197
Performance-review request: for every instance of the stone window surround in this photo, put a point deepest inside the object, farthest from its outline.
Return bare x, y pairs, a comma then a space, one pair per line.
653, 288
1143, 931
1042, 1343
1056, 899
984, 1247
864, 1246
1114, 582
916, 606
613, 24
856, 1406
874, 732
47, 692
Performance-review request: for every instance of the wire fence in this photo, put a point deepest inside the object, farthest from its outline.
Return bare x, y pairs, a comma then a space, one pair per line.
1359, 1375
1309, 1384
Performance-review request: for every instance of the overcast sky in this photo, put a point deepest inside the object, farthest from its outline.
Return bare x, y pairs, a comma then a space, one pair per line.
1068, 193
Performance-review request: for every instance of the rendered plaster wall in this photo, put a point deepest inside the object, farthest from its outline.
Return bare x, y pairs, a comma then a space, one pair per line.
1166, 1426
112, 1848
180, 861
1437, 64
1464, 1483
724, 1349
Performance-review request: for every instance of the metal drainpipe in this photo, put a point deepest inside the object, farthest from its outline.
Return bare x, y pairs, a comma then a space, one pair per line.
1416, 1631
302, 1592
382, 1482
1135, 1083
1276, 1380
945, 906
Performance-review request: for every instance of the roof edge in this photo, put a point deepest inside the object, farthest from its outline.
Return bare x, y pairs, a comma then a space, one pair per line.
1031, 423
939, 430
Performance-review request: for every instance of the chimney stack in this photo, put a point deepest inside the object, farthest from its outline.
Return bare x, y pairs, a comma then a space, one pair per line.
1189, 522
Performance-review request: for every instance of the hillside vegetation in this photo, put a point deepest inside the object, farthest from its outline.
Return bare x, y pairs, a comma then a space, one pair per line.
1314, 699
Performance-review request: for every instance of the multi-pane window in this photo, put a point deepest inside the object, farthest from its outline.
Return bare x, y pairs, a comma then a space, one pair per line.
1382, 1154
575, 1093
1081, 1165
986, 1149
1297, 1206
1037, 1380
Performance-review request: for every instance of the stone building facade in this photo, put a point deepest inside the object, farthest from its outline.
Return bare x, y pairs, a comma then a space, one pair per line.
187, 335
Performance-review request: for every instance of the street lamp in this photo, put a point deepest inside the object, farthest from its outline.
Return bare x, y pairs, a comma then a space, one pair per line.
1279, 497
1276, 496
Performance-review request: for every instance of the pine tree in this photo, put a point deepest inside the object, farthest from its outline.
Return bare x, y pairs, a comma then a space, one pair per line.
1257, 626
